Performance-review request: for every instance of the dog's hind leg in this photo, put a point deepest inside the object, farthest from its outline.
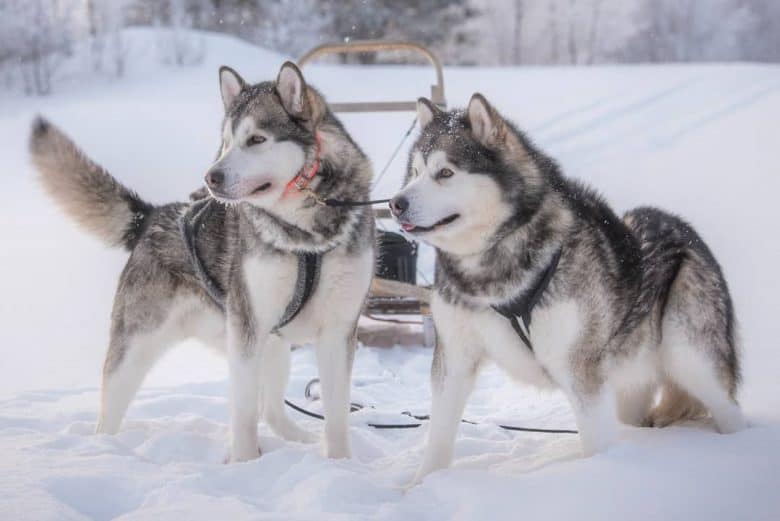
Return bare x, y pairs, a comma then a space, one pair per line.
699, 345
274, 374
143, 328
693, 370
127, 362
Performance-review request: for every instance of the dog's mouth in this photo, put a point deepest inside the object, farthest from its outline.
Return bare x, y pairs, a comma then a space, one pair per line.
412, 228
232, 197
262, 188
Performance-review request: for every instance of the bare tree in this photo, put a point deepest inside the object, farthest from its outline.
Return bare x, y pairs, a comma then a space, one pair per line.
593, 32
553, 32
571, 39
518, 37
177, 45
44, 36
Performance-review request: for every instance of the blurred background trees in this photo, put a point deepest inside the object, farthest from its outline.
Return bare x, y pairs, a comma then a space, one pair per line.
36, 36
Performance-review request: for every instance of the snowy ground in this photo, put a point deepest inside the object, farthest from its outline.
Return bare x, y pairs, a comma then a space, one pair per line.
698, 140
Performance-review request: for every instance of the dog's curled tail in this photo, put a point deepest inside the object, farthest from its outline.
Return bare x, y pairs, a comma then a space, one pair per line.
84, 189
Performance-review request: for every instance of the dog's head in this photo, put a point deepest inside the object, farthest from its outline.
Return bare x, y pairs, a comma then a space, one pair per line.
268, 137
469, 173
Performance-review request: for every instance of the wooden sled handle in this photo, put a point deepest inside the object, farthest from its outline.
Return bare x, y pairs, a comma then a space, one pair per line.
361, 46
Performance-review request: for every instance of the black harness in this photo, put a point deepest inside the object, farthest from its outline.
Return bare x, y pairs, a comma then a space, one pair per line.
308, 266
523, 305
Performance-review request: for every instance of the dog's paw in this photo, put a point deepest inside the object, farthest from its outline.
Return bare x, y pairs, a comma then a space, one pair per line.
241, 456
414, 483
341, 452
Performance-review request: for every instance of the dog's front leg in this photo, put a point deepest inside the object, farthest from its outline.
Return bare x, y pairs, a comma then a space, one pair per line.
453, 372
583, 379
244, 354
335, 352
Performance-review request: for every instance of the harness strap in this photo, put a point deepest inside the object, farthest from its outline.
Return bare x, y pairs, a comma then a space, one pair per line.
189, 223
523, 305
308, 275
308, 265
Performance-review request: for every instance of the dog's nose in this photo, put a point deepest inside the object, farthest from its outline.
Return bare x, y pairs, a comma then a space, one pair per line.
215, 178
399, 205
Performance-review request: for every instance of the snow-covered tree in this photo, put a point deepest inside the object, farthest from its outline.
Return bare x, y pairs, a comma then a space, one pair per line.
36, 36
689, 30
177, 44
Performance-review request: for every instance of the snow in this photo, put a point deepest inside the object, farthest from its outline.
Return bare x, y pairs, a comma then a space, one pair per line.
698, 140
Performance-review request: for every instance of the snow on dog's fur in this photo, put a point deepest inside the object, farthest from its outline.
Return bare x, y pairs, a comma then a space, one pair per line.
636, 305
249, 246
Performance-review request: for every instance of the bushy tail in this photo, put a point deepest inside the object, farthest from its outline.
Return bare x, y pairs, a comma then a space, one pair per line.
86, 191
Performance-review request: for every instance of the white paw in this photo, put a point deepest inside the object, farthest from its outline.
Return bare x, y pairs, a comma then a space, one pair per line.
337, 452
238, 456
730, 423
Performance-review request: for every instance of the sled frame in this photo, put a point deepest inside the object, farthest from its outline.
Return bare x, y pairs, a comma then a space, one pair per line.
390, 297
366, 46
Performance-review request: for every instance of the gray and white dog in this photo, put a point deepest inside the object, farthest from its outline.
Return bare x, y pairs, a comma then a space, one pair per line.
277, 136
613, 310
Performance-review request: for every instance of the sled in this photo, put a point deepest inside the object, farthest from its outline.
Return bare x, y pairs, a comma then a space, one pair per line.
397, 310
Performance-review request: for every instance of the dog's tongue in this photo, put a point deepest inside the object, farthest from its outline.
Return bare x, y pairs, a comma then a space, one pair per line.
407, 227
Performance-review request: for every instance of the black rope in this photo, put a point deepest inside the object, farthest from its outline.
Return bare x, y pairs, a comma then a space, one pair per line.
334, 203
337, 203
357, 407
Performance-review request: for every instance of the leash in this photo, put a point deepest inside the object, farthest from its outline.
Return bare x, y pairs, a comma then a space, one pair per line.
354, 407
302, 181
308, 274
335, 203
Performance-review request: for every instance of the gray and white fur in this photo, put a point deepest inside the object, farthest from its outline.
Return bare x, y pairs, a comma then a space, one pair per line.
248, 245
637, 306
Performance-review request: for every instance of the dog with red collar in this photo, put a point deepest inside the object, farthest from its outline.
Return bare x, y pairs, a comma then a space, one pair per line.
258, 265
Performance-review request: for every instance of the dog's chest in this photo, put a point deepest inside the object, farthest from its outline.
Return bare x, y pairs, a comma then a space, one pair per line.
335, 300
554, 331
270, 284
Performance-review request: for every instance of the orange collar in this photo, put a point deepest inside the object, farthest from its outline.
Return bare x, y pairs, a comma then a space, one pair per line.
301, 181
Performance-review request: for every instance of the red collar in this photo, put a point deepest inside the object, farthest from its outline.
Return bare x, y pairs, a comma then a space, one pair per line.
301, 181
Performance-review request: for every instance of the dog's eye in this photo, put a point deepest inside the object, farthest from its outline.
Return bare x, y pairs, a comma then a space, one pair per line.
255, 140
444, 173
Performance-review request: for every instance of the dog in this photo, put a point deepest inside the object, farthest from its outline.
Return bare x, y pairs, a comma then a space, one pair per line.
535, 272
237, 274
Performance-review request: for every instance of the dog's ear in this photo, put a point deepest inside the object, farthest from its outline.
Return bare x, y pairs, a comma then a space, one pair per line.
426, 111
230, 85
292, 90
487, 125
